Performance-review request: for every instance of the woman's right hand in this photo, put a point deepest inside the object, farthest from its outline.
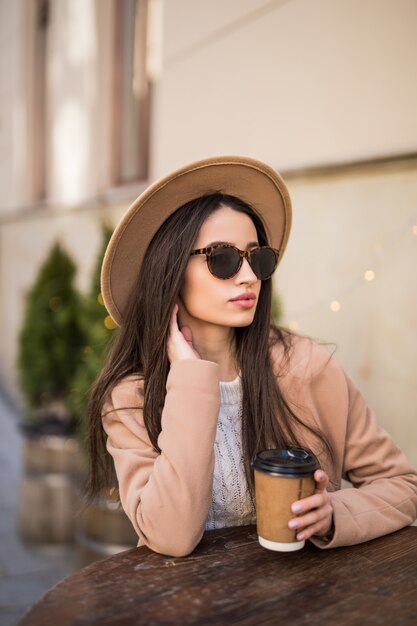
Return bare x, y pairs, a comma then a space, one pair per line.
180, 342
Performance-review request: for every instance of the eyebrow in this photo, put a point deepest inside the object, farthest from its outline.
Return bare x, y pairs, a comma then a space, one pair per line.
213, 243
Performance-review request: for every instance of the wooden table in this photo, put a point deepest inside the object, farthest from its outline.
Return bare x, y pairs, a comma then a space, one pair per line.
231, 579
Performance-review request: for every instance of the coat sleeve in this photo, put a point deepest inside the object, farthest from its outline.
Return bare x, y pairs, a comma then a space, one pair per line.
383, 498
167, 496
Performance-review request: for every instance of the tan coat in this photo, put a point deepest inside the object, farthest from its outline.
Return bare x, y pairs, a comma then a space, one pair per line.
167, 496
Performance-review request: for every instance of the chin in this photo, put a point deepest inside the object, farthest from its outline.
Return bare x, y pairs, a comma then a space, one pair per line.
245, 320
242, 324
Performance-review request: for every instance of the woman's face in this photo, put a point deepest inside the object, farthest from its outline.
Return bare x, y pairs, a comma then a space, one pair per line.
209, 299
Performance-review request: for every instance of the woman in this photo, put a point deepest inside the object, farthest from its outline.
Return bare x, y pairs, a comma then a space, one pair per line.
199, 380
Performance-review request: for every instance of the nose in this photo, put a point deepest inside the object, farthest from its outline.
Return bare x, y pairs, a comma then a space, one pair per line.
246, 274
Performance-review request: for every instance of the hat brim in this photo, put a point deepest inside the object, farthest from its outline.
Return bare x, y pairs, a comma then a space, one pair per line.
253, 181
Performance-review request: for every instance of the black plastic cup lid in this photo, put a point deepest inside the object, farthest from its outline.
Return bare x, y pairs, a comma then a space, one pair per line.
292, 462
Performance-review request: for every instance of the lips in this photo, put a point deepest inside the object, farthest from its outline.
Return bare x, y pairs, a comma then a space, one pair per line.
244, 296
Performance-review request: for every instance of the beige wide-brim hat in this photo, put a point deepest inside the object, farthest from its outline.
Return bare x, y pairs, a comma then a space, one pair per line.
253, 181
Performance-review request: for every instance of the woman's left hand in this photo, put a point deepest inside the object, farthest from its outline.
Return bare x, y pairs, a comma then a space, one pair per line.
315, 513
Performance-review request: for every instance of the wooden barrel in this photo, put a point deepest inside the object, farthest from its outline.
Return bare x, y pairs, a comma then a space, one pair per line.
49, 489
103, 529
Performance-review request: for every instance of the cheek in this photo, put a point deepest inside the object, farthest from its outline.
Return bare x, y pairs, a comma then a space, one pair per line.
189, 286
200, 292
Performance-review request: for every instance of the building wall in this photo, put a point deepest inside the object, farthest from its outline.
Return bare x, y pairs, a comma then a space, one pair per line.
79, 99
293, 82
347, 223
12, 109
301, 84
79, 194
297, 83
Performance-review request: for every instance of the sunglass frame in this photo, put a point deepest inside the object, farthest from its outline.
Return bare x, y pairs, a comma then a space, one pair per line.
243, 254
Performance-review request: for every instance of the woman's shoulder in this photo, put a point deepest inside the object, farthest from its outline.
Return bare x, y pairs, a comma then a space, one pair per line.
300, 356
123, 410
127, 392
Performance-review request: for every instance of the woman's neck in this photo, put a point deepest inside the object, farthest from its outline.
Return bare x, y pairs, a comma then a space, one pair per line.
216, 344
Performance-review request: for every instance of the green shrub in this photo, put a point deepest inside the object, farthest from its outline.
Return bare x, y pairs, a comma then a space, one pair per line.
51, 337
98, 329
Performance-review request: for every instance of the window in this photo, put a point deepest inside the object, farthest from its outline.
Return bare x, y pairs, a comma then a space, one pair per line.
37, 87
131, 93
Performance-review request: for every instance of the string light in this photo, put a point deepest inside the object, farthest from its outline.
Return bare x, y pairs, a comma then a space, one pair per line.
369, 275
100, 299
378, 248
109, 323
55, 303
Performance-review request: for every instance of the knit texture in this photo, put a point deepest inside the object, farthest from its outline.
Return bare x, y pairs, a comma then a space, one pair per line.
231, 503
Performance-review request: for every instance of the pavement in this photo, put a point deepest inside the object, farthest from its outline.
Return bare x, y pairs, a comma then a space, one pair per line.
26, 572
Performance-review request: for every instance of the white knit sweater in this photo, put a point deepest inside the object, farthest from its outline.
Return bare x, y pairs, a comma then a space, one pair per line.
231, 504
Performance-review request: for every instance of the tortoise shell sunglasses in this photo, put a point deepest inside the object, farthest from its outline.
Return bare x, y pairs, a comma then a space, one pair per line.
224, 260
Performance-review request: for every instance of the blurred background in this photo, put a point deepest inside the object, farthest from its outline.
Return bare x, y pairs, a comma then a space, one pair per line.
98, 98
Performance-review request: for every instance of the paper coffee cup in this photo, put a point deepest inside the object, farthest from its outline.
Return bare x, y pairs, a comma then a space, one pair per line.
281, 478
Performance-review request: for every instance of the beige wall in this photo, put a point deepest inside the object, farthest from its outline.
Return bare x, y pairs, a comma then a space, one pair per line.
302, 83
293, 82
347, 223
299, 84
12, 105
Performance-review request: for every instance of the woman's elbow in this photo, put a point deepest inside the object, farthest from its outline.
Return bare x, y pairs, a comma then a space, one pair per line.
178, 547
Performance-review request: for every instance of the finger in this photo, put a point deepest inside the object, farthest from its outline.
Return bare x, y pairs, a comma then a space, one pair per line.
312, 502
181, 309
186, 331
322, 480
173, 322
311, 518
173, 313
188, 335
320, 528
173, 328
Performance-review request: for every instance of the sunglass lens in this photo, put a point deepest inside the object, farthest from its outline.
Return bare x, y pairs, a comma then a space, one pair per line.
263, 262
224, 262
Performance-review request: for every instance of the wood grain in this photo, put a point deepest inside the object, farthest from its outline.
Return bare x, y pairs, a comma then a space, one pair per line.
231, 579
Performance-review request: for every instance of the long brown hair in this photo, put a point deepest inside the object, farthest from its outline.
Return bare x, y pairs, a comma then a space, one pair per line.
140, 348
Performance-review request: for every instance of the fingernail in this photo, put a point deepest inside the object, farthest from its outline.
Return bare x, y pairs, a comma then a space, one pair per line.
296, 508
293, 524
300, 536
